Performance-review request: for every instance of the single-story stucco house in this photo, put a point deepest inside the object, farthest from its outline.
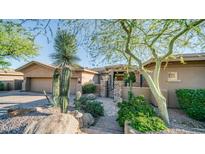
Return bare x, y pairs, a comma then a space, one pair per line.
11, 79
175, 76
178, 76
38, 77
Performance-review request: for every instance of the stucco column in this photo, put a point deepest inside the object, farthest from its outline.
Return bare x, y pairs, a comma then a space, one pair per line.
24, 85
118, 91
103, 86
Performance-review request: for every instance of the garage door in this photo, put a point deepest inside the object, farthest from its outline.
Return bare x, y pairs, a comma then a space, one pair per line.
40, 84
73, 86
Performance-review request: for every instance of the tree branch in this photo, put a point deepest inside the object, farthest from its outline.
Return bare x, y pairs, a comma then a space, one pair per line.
171, 44
127, 49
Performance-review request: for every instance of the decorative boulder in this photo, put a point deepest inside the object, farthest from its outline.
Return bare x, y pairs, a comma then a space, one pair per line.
91, 96
54, 124
88, 120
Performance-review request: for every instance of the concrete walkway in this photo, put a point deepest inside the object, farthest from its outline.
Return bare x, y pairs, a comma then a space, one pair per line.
106, 124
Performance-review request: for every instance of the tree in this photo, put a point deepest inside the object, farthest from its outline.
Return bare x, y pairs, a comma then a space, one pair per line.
15, 42
140, 40
64, 58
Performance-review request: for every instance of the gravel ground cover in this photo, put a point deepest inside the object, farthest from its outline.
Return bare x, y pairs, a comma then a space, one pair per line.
180, 123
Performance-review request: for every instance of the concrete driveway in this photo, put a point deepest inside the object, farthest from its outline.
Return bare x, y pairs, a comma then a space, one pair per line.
10, 99
16, 98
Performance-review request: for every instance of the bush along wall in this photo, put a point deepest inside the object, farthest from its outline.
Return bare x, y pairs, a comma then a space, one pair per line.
192, 101
140, 114
89, 88
2, 86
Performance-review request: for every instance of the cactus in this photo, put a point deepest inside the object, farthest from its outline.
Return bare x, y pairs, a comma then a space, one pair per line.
64, 87
77, 100
56, 87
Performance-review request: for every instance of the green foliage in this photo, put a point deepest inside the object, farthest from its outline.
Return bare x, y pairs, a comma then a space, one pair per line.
64, 57
141, 115
65, 49
2, 86
137, 105
192, 101
77, 100
64, 87
15, 42
91, 106
89, 88
56, 87
145, 124
129, 78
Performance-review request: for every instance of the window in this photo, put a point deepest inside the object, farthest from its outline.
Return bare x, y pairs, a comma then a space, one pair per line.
172, 76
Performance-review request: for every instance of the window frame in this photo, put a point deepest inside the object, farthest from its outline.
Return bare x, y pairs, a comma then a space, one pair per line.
175, 78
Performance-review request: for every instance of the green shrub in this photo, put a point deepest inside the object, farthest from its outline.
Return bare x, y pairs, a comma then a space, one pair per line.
93, 107
131, 109
192, 101
2, 86
148, 124
89, 88
141, 115
90, 106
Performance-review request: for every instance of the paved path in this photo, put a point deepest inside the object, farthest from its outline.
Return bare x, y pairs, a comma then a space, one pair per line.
107, 124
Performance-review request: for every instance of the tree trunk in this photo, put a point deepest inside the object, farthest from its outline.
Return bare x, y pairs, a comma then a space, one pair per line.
160, 99
56, 87
64, 87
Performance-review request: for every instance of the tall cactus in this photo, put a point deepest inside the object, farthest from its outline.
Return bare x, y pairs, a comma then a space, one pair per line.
56, 87
64, 87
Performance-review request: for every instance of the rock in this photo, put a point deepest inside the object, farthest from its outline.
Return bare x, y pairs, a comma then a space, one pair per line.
76, 113
39, 109
91, 96
54, 124
19, 111
87, 120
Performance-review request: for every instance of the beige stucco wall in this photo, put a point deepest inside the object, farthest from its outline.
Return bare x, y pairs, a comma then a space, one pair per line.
87, 78
142, 91
10, 79
190, 75
35, 70
38, 72
137, 91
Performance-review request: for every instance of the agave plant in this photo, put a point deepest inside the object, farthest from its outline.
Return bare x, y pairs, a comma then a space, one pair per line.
64, 58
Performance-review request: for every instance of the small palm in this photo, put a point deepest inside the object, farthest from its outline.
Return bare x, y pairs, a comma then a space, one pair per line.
65, 47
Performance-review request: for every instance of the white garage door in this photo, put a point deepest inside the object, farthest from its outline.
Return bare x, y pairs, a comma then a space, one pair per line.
40, 84
73, 86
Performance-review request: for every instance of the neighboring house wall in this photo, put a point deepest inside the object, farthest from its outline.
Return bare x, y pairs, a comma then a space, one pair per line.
11, 81
38, 77
35, 70
190, 75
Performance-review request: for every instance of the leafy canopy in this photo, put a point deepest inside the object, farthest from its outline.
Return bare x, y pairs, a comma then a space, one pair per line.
144, 39
15, 42
117, 40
